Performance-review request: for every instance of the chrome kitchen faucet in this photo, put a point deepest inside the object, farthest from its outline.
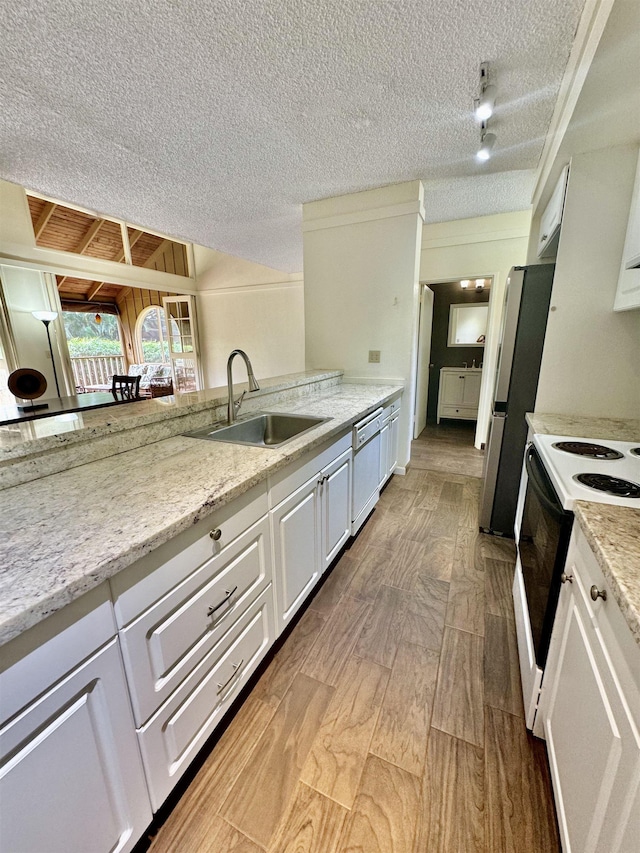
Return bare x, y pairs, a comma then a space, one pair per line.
233, 406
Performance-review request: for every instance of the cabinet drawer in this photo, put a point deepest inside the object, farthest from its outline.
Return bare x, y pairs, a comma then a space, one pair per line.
286, 481
458, 412
150, 578
169, 639
171, 739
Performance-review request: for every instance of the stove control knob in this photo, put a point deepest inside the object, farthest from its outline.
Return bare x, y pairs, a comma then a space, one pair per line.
565, 577
598, 593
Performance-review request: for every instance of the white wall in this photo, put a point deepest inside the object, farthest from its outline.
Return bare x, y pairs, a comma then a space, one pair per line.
472, 248
590, 364
361, 262
248, 306
26, 291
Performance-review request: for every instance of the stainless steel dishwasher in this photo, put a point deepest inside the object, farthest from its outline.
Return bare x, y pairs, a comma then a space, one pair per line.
366, 468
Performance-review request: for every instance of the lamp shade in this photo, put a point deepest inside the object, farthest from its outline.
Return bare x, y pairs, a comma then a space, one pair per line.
45, 316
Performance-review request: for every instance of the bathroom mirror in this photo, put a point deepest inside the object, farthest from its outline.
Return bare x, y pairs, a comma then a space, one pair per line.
467, 325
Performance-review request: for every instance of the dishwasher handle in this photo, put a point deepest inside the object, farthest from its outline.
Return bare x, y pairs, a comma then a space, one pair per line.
367, 428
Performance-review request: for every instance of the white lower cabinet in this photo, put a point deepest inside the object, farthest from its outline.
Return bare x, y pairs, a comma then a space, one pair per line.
172, 737
295, 530
590, 705
389, 434
459, 393
71, 777
310, 522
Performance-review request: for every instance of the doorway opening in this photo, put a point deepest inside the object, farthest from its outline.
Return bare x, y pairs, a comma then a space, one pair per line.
450, 356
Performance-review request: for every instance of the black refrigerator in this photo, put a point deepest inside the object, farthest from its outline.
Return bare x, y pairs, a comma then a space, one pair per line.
524, 323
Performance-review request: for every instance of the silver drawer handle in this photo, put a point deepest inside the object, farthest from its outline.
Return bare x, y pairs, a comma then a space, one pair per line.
598, 593
237, 668
213, 609
215, 534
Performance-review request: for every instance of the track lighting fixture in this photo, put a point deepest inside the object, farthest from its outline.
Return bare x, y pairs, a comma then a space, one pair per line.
484, 105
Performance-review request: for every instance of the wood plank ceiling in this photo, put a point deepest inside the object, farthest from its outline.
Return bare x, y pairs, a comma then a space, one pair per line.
65, 229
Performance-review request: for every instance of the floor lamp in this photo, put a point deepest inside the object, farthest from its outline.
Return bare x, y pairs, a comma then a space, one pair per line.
46, 317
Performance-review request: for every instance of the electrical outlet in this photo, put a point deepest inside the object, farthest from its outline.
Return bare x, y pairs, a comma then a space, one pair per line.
374, 356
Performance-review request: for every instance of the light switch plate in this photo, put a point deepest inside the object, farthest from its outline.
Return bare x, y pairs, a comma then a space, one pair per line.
374, 356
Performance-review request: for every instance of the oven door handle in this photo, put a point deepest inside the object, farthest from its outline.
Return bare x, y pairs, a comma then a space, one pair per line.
540, 484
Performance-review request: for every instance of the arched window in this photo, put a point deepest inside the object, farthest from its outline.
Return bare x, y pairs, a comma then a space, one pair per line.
152, 340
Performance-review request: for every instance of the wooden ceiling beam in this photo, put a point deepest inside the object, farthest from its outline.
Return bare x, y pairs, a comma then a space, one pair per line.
133, 239
94, 291
88, 237
162, 248
45, 216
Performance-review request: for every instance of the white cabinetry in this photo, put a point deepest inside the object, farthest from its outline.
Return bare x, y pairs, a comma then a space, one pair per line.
71, 778
310, 521
590, 706
551, 219
459, 393
196, 618
389, 441
628, 291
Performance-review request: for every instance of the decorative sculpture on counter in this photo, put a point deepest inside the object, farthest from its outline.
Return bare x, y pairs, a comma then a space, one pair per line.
28, 384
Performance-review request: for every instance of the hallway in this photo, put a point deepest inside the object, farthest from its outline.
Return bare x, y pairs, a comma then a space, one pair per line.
391, 719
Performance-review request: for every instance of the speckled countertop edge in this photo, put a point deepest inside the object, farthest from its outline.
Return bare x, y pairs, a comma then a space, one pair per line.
64, 534
113, 419
579, 426
613, 533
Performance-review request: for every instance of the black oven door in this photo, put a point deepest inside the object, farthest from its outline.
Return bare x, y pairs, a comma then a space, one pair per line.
542, 546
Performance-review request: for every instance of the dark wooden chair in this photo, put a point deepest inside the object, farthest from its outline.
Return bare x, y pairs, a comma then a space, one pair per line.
125, 387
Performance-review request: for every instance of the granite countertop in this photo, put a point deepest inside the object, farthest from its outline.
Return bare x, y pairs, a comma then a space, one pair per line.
613, 532
578, 426
64, 534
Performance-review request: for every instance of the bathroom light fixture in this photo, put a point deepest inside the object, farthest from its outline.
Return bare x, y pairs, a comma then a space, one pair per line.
464, 284
46, 317
487, 141
479, 284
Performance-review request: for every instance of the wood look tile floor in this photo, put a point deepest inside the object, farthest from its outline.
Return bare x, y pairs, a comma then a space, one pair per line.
391, 719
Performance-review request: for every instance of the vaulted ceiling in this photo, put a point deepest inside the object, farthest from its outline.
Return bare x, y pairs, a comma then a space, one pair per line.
215, 120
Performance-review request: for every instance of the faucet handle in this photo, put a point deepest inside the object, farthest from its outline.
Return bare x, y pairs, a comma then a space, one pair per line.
237, 403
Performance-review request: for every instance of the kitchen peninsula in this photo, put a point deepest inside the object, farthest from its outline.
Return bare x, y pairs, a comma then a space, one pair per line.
181, 558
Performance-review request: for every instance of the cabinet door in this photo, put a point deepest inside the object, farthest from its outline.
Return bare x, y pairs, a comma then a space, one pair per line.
336, 507
71, 778
591, 739
384, 453
392, 456
471, 390
452, 389
628, 291
295, 529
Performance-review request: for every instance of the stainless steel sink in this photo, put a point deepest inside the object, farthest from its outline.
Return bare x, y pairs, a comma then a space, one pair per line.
269, 429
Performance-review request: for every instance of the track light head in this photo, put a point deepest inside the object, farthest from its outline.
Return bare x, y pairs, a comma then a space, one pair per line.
487, 141
486, 103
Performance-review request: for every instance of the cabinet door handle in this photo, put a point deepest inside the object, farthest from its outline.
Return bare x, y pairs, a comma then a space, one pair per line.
543, 238
213, 609
237, 668
598, 593
215, 534
565, 577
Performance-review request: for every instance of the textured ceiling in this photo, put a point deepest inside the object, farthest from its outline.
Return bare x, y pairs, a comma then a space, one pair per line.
214, 120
